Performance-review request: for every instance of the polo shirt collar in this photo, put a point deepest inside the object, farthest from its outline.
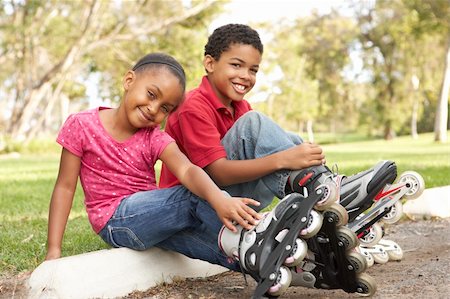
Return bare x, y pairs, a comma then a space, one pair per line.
207, 91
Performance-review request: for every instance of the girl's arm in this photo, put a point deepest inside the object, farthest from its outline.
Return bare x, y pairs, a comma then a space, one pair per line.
228, 209
61, 202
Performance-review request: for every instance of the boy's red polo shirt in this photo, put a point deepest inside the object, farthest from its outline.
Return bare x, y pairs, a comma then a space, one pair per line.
198, 126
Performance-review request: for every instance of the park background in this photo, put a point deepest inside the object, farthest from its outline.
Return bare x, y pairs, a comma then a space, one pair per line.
369, 80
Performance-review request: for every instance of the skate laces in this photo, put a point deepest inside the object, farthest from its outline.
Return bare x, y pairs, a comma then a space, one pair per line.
335, 170
334, 173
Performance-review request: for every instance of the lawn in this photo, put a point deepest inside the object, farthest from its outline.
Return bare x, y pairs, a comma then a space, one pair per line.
26, 184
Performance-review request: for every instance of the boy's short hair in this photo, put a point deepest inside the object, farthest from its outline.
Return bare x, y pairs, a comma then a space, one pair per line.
225, 36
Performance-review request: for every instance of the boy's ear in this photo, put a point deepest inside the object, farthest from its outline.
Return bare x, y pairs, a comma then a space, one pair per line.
208, 63
128, 79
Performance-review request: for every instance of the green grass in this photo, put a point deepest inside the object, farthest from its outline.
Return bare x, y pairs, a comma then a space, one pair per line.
26, 184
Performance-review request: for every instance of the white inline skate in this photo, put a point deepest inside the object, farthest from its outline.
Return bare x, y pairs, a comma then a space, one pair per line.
383, 207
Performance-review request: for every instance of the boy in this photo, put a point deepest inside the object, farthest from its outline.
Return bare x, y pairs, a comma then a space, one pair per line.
243, 151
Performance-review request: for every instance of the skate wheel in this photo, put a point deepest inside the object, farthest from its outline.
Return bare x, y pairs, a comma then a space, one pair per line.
366, 285
329, 196
314, 225
340, 212
348, 237
416, 183
358, 261
393, 250
395, 214
298, 253
367, 255
282, 282
373, 236
380, 256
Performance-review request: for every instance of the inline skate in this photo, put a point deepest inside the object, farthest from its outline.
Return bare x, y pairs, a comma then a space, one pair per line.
371, 198
331, 261
328, 259
275, 244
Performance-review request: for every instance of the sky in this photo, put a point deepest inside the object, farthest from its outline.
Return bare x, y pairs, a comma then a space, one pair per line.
249, 11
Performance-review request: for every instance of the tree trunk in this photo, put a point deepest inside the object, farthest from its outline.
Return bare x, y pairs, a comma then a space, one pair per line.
415, 109
309, 129
440, 124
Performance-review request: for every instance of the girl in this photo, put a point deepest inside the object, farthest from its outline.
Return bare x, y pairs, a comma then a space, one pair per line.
114, 150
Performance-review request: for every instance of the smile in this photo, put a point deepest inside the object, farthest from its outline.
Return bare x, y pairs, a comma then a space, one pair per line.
145, 116
239, 87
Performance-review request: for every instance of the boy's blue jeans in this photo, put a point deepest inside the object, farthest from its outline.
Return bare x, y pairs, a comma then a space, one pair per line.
254, 135
175, 219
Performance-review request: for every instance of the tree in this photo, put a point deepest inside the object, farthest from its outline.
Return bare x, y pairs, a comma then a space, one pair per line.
392, 56
48, 48
432, 17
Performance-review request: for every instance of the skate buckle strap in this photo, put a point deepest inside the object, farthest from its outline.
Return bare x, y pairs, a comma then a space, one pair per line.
305, 179
239, 261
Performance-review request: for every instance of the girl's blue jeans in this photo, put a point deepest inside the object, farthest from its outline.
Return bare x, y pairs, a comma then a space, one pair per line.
175, 219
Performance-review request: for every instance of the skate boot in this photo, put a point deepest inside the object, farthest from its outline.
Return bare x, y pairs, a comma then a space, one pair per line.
309, 179
273, 245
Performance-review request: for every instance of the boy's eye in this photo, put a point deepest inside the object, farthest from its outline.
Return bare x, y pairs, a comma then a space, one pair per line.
236, 65
151, 95
254, 71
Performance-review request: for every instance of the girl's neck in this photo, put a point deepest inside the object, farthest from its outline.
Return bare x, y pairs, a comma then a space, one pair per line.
115, 122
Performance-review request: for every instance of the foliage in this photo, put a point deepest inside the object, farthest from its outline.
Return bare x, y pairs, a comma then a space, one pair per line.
50, 50
354, 73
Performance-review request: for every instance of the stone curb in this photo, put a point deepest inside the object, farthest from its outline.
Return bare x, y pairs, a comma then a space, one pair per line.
112, 273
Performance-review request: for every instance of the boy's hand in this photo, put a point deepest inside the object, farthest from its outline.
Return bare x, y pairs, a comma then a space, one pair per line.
304, 155
236, 209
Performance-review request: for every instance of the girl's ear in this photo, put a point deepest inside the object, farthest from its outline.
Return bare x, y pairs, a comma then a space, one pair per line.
128, 79
208, 63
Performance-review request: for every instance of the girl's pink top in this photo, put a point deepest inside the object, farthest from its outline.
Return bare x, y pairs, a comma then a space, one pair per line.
111, 170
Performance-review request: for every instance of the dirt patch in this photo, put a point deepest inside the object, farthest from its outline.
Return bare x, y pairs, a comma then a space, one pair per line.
424, 272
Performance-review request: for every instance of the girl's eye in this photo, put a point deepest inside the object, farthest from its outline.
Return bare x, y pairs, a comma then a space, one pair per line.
254, 71
151, 95
165, 109
236, 65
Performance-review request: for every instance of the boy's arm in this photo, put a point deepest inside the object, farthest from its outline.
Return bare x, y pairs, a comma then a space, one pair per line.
61, 202
228, 209
228, 172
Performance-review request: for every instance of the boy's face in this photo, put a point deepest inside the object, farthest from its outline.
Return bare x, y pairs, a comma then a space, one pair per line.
150, 96
234, 74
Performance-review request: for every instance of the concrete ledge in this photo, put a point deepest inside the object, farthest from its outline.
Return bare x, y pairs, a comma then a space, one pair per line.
434, 202
112, 273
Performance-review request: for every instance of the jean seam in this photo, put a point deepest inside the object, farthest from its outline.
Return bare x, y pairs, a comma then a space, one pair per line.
129, 233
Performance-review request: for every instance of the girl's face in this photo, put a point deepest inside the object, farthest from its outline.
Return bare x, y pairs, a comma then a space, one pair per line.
234, 74
150, 96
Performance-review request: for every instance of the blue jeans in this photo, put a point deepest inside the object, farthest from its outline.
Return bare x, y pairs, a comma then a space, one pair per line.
173, 219
254, 135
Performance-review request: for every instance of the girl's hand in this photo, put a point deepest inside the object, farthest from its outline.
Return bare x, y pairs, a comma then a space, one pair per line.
52, 254
237, 210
